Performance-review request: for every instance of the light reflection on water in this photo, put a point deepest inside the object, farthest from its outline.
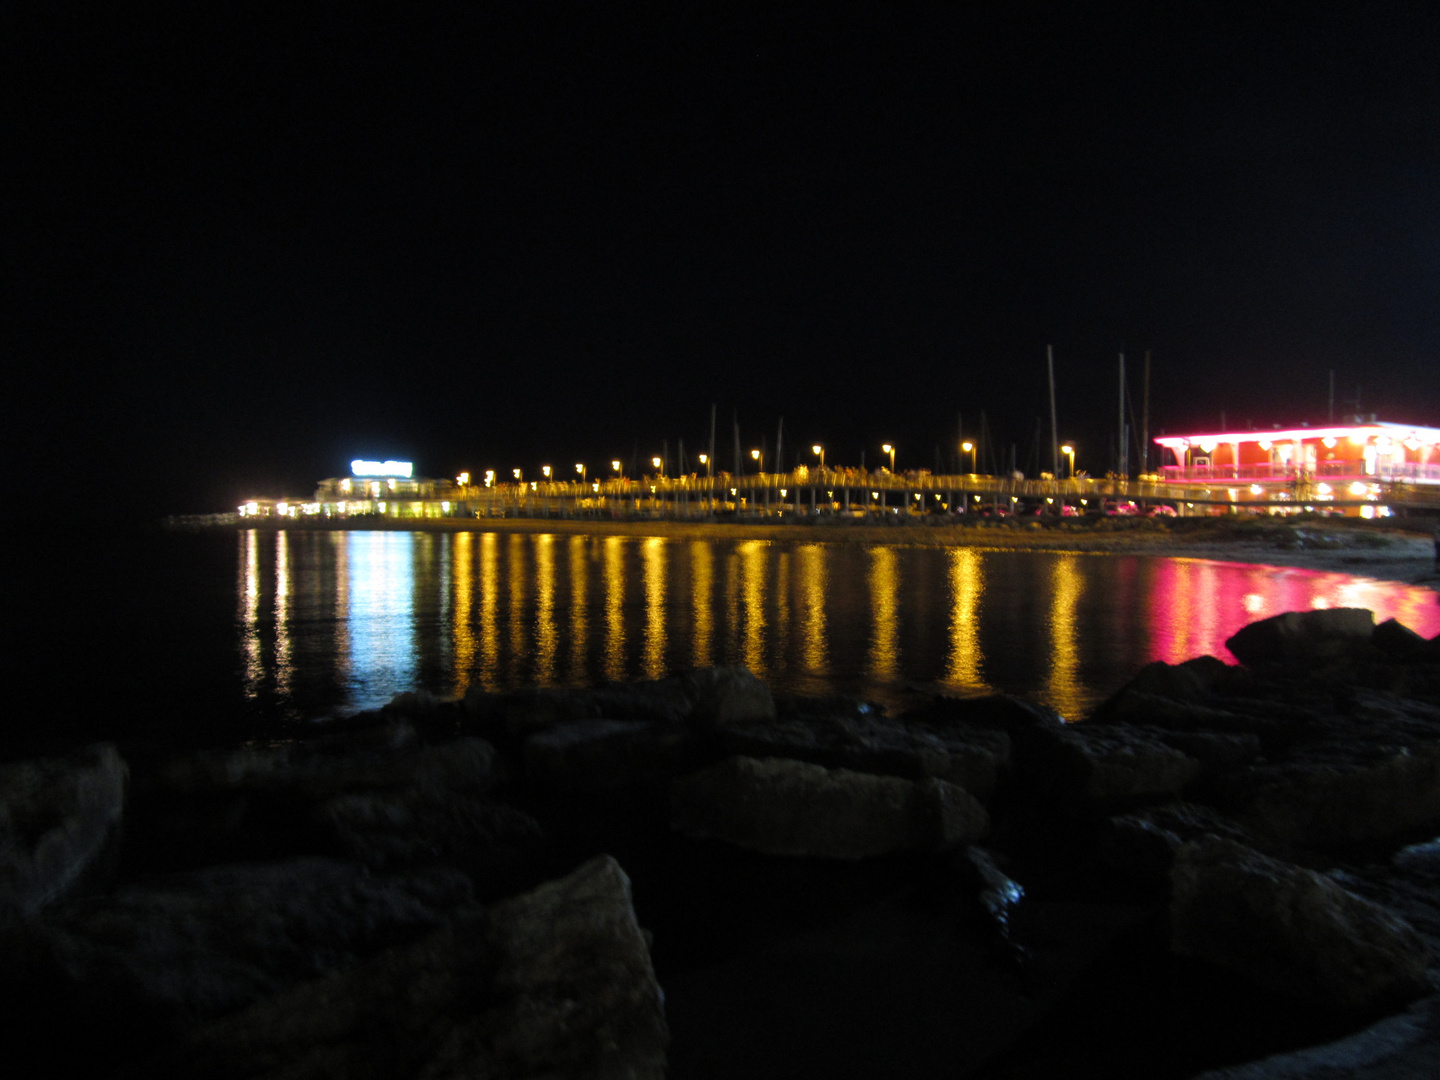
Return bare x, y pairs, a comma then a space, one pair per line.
344, 620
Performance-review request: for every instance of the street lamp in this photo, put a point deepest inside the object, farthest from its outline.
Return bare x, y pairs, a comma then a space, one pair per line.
546, 470
705, 460
656, 462
889, 448
759, 461
970, 448
517, 475
1069, 452
580, 468
819, 448
616, 466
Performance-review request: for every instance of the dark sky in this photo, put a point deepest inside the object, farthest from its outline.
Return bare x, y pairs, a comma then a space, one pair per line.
241, 250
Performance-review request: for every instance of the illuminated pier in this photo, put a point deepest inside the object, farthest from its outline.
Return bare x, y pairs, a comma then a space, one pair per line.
1366, 470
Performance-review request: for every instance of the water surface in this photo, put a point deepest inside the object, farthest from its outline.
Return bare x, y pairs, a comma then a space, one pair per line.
335, 621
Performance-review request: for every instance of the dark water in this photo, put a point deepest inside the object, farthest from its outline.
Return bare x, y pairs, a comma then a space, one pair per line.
218, 629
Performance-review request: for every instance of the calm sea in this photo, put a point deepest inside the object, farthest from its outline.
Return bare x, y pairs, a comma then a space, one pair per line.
200, 635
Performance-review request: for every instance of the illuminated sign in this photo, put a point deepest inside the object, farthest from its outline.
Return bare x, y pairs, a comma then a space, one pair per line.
381, 468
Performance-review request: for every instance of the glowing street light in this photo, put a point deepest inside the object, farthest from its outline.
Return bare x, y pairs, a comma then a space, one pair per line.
1069, 452
819, 449
616, 466
889, 448
659, 467
546, 470
705, 460
517, 475
580, 468
759, 461
970, 448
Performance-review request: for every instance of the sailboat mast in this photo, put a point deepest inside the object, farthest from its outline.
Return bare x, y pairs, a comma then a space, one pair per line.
1054, 430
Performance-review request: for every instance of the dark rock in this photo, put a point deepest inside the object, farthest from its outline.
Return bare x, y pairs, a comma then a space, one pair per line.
606, 755
1291, 930
1142, 845
58, 816
1394, 638
556, 983
1104, 767
380, 797
161, 956
707, 697
1312, 636
971, 757
727, 695
389, 829
1342, 793
782, 807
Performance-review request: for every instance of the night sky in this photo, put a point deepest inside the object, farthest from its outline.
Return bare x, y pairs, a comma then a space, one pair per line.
241, 250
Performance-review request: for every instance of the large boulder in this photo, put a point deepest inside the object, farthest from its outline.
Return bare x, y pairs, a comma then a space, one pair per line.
1317, 636
969, 756
1291, 930
556, 983
158, 957
1098, 768
1341, 793
58, 816
607, 755
377, 795
707, 697
782, 807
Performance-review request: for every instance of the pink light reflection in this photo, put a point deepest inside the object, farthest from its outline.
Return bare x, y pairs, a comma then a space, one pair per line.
1195, 608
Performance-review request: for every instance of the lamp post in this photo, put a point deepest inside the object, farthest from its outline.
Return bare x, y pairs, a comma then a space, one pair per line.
616, 466
889, 448
546, 470
705, 460
1069, 451
970, 448
819, 448
759, 461
659, 466
580, 468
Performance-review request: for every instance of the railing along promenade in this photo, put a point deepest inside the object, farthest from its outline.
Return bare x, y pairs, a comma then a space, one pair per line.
855, 494
843, 492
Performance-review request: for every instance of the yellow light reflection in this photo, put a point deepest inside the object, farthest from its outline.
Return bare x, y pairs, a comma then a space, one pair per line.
967, 586
579, 607
250, 612
702, 584
752, 584
547, 640
516, 579
614, 608
781, 593
1063, 691
814, 650
284, 667
489, 611
883, 579
653, 554
462, 584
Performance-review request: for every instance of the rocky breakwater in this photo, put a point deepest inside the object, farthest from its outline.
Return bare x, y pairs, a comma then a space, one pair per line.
1223, 862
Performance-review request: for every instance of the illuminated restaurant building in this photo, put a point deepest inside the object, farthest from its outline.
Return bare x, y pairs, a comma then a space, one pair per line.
1350, 467
373, 489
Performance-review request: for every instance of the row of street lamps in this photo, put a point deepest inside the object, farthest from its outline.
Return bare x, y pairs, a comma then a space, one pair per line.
818, 449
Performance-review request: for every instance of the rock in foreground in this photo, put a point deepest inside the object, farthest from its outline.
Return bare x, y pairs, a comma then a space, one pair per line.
57, 815
781, 807
555, 983
1291, 929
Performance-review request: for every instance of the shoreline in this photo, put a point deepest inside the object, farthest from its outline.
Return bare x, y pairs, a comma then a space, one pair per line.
1380, 552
